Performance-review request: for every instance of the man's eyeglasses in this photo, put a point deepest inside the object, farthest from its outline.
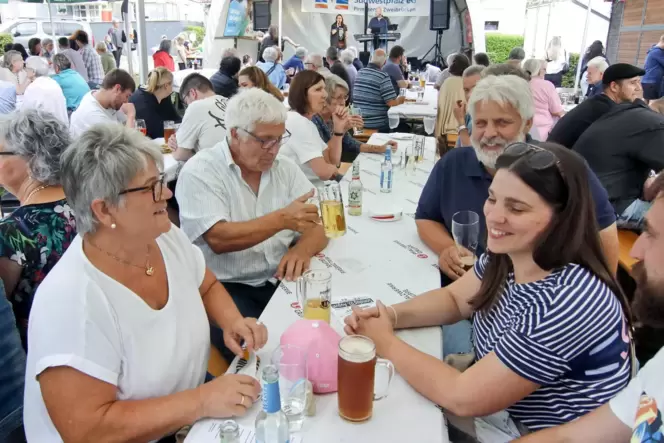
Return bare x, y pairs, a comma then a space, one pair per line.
537, 158
7, 153
157, 188
269, 144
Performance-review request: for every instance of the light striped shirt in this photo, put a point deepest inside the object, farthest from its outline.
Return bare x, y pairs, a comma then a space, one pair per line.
566, 333
211, 190
92, 64
373, 89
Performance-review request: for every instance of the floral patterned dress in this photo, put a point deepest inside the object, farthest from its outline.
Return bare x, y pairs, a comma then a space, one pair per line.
35, 237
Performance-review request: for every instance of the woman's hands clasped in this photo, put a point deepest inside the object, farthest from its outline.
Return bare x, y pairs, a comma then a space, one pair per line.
377, 323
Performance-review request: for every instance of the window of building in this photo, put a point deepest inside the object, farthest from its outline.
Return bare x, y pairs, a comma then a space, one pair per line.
491, 26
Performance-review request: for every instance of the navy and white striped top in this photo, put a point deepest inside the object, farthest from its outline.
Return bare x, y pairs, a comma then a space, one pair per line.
566, 333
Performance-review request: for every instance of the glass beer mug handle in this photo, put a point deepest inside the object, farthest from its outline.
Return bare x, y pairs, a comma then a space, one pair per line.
390, 370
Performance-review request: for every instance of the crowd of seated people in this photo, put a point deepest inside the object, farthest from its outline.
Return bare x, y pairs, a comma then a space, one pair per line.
104, 263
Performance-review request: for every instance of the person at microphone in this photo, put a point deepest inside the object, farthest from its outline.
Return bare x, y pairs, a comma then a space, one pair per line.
380, 23
338, 33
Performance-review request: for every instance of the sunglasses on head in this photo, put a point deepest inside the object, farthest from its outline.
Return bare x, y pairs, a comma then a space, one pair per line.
537, 158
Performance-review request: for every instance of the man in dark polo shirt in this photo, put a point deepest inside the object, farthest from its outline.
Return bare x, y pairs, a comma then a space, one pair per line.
393, 68
461, 179
622, 148
621, 83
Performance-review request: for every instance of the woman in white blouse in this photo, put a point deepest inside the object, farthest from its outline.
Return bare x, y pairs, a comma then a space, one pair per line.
119, 331
557, 63
12, 71
307, 97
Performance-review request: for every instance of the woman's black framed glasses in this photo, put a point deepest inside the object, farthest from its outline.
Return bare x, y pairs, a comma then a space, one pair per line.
537, 158
7, 153
157, 188
269, 144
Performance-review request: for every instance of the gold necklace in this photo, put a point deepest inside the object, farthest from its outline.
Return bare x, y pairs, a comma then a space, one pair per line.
36, 190
149, 270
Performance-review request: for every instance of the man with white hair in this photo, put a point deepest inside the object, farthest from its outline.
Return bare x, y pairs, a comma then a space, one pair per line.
44, 93
296, 62
73, 86
356, 61
274, 70
373, 93
596, 68
314, 62
347, 57
244, 207
502, 111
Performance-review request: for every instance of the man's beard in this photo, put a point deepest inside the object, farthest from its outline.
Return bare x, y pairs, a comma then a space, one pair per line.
489, 158
648, 304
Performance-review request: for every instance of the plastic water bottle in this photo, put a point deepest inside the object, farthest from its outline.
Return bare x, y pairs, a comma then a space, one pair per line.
271, 423
386, 172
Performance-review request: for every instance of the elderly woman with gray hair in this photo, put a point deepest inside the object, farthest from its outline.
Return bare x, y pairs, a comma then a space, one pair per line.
48, 48
272, 68
119, 333
337, 93
12, 71
33, 237
44, 93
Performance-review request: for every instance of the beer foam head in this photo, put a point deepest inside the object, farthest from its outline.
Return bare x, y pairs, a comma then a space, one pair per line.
357, 349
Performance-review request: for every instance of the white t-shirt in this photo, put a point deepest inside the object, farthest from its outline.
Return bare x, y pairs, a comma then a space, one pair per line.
46, 94
304, 144
83, 319
90, 113
641, 404
204, 124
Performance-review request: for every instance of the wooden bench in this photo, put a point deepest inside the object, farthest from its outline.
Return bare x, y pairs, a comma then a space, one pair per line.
626, 240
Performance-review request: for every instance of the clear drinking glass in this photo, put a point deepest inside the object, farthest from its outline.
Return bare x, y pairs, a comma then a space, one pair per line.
354, 110
429, 124
402, 92
332, 209
291, 361
140, 125
393, 120
420, 96
314, 293
466, 233
356, 377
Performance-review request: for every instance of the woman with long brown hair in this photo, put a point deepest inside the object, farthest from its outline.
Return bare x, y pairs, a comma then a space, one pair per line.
338, 33
551, 325
254, 77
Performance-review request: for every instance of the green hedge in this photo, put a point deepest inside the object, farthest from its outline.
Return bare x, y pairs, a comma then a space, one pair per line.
199, 31
568, 79
498, 46
4, 39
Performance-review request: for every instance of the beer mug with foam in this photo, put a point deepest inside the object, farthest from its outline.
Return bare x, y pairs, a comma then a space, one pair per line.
356, 377
332, 209
314, 292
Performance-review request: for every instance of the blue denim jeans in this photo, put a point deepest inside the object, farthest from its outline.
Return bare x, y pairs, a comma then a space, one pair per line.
632, 217
12, 372
458, 338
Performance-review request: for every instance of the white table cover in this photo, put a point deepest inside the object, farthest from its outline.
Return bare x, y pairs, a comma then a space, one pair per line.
428, 108
387, 261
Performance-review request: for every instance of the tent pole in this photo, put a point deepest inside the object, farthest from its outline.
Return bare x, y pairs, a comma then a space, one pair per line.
127, 45
281, 6
142, 43
50, 18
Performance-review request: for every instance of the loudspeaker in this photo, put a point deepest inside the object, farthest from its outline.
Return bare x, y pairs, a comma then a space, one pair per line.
439, 19
262, 16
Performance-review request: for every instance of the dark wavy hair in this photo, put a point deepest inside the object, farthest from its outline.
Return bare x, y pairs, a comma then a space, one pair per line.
572, 235
595, 49
297, 93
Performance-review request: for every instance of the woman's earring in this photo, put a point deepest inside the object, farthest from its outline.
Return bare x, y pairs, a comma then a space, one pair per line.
113, 226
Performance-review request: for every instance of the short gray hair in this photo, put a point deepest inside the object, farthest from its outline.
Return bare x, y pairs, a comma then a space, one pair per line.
505, 89
10, 57
37, 64
301, 52
347, 57
517, 54
61, 62
100, 164
379, 57
353, 49
504, 69
332, 82
270, 54
533, 66
39, 138
253, 106
316, 60
600, 63
473, 70
47, 41
229, 52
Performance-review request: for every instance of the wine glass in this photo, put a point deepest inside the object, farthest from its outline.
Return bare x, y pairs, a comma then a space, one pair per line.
466, 233
141, 126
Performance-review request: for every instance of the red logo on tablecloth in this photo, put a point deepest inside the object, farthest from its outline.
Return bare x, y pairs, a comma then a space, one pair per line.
295, 305
422, 256
320, 255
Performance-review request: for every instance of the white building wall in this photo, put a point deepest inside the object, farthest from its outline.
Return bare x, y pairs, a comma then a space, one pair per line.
510, 15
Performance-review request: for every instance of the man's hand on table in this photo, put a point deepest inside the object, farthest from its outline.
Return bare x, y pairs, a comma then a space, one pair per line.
249, 330
450, 262
293, 264
376, 323
300, 216
228, 395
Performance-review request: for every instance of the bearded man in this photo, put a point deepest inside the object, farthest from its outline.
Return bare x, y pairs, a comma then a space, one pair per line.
502, 109
637, 412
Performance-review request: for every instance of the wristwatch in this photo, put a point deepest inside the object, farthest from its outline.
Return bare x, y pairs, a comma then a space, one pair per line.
461, 128
339, 134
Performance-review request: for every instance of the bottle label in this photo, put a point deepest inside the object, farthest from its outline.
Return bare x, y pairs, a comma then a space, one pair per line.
271, 398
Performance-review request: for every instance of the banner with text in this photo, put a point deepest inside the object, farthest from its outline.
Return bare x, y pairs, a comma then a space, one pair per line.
391, 8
